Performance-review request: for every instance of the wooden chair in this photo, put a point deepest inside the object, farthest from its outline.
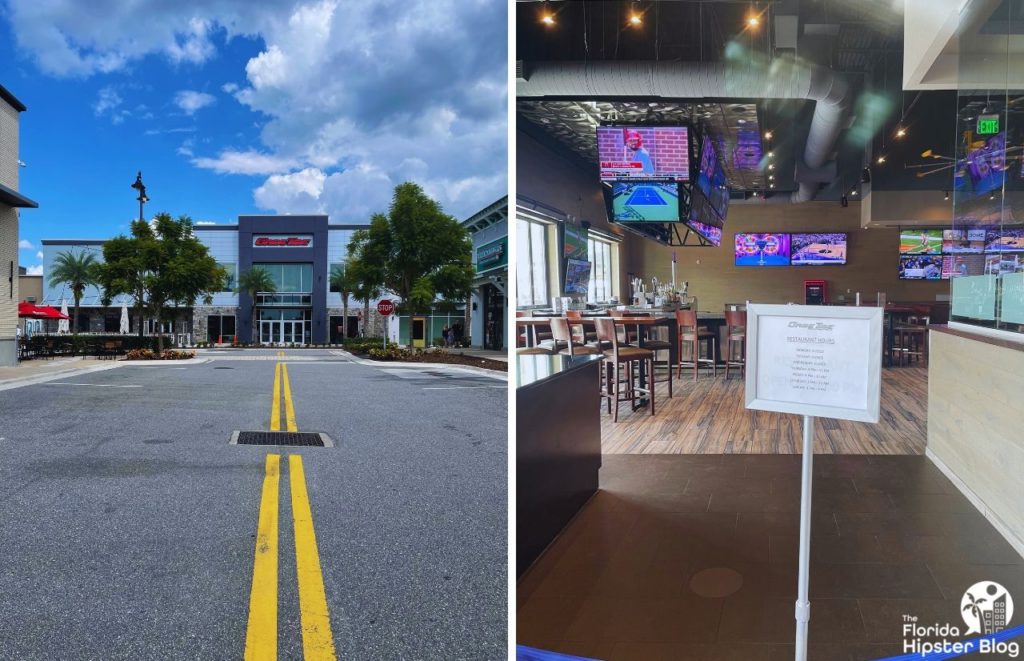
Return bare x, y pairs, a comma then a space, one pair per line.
582, 334
622, 360
736, 336
692, 336
913, 339
563, 338
656, 345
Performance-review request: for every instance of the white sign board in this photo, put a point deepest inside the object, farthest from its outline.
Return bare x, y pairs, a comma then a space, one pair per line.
815, 360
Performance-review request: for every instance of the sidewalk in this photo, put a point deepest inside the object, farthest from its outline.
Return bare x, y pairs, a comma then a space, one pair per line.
482, 353
39, 368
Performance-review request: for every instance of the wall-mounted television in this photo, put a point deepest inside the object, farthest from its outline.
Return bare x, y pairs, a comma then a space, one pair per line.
710, 233
645, 202
962, 264
577, 276
921, 242
920, 267
818, 248
963, 241
644, 152
711, 180
1004, 240
762, 249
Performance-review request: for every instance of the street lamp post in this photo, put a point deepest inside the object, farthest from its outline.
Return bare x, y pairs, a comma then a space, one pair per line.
142, 198
141, 187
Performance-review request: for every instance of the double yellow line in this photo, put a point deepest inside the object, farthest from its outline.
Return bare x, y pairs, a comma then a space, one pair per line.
261, 632
281, 378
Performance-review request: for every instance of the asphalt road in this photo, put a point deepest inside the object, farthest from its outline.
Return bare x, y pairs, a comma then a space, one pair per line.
128, 523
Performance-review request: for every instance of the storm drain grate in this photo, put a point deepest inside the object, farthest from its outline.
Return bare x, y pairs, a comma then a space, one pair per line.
285, 438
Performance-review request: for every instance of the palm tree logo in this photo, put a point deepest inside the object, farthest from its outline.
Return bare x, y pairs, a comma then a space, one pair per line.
986, 607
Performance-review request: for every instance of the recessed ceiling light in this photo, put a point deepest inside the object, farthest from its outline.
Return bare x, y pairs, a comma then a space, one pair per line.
767, 135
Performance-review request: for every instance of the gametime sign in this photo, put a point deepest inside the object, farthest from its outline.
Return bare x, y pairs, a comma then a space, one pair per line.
282, 241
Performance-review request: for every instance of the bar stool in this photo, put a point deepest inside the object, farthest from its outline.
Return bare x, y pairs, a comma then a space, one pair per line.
563, 336
736, 333
656, 345
913, 339
575, 316
628, 358
692, 336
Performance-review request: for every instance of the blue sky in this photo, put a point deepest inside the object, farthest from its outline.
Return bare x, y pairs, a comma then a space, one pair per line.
230, 107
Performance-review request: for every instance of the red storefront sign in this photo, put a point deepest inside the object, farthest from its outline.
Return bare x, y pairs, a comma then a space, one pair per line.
282, 241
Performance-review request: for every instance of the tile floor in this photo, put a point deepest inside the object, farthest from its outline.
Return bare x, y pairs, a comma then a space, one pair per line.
890, 535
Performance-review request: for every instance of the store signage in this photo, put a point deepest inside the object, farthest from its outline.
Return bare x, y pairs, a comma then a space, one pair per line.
282, 241
814, 360
491, 255
988, 124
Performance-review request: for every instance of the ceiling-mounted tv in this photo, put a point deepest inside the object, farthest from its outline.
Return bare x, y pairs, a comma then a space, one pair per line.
762, 249
644, 152
711, 178
645, 202
710, 233
818, 248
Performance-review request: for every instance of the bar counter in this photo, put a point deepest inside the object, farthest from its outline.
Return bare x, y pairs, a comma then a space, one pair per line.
558, 447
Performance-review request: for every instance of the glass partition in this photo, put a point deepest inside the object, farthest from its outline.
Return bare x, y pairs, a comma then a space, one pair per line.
986, 263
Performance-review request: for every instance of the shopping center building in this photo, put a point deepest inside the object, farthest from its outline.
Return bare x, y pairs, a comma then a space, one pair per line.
489, 230
298, 252
10, 201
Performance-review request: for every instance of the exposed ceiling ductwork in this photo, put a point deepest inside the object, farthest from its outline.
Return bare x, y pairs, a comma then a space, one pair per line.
787, 78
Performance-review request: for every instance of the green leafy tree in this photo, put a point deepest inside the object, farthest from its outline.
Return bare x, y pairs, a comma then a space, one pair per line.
77, 271
163, 266
344, 282
252, 282
415, 250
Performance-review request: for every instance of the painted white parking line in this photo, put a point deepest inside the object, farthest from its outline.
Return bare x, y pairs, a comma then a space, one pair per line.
94, 385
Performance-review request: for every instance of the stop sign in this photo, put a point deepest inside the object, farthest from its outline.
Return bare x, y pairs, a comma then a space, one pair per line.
385, 308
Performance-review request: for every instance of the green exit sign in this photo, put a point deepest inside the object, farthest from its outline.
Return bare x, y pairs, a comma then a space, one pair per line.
988, 124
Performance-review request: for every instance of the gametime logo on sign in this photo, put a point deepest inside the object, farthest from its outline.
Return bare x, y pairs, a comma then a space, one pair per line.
282, 241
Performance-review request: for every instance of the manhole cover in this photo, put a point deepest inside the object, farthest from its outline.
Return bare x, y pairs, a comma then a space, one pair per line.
716, 583
286, 438
157, 441
223, 368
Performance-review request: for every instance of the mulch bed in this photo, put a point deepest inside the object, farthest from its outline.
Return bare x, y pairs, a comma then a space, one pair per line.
449, 358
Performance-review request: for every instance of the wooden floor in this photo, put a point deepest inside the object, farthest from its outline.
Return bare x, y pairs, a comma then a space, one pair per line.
708, 417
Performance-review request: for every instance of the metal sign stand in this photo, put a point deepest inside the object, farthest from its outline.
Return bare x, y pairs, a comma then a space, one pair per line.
803, 606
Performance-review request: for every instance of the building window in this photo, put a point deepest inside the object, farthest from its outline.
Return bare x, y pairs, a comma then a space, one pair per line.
290, 278
231, 282
531, 263
599, 289
220, 328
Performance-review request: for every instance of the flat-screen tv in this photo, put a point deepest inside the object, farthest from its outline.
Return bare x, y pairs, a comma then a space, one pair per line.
645, 202
644, 152
962, 264
920, 267
920, 242
956, 242
710, 233
819, 248
762, 249
984, 167
577, 276
1004, 240
711, 178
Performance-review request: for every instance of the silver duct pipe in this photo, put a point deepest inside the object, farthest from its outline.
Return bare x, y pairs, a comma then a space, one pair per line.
786, 78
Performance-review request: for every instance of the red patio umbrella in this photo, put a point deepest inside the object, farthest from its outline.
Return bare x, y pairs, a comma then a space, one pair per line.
39, 311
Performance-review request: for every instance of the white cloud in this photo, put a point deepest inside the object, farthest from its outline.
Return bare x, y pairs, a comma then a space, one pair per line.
229, 88
25, 244
39, 255
108, 102
245, 162
191, 101
34, 270
183, 129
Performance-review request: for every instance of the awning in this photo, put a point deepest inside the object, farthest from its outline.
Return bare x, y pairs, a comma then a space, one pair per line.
30, 311
13, 198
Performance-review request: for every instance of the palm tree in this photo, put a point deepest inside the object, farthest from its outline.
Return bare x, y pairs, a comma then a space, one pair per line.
975, 607
344, 282
77, 271
252, 282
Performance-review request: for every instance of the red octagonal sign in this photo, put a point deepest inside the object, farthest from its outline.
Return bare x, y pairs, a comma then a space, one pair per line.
385, 308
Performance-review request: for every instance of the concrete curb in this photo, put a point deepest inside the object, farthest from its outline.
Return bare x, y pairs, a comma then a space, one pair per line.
494, 374
162, 363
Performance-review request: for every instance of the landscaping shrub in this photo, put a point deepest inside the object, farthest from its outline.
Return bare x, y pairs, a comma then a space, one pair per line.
168, 354
392, 352
362, 344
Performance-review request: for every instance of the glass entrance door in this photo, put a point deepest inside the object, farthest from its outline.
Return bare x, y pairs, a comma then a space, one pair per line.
287, 331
